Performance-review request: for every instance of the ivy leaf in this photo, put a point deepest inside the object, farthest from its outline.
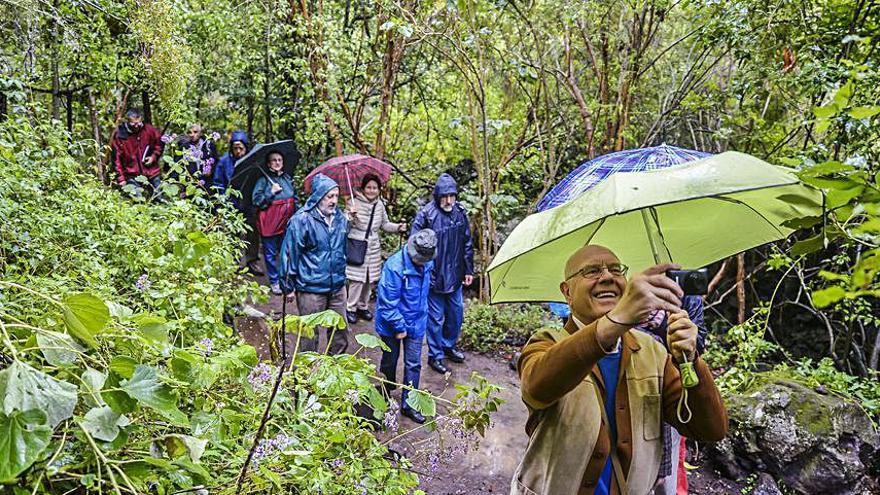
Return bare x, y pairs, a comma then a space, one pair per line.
103, 423
23, 438
826, 297
85, 316
24, 388
58, 348
146, 388
370, 341
421, 402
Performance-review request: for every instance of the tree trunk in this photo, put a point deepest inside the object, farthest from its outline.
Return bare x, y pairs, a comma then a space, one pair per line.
147, 107
393, 53
100, 164
267, 77
4, 108
69, 98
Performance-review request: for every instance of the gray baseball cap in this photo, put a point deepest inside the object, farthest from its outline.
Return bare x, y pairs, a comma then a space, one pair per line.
422, 246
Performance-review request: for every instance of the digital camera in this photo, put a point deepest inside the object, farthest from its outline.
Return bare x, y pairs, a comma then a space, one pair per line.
692, 282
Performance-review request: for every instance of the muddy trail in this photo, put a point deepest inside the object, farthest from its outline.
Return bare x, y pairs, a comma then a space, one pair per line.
470, 466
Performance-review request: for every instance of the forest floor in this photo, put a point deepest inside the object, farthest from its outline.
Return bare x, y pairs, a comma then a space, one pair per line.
477, 468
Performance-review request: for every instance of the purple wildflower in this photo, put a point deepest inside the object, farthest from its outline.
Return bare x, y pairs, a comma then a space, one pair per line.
193, 155
215, 136
269, 447
337, 465
143, 283
167, 138
206, 346
352, 396
390, 420
260, 376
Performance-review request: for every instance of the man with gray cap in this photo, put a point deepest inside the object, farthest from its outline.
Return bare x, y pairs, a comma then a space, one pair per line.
402, 311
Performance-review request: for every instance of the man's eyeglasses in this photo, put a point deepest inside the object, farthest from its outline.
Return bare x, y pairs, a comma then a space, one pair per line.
592, 272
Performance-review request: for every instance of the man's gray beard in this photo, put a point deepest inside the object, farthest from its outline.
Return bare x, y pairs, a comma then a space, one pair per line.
447, 209
328, 211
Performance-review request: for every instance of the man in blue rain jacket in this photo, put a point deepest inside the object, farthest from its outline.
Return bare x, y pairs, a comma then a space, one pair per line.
313, 261
454, 265
402, 311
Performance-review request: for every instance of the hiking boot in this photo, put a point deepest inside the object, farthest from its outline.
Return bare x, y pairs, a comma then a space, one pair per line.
364, 314
454, 355
438, 366
351, 316
276, 289
412, 414
254, 268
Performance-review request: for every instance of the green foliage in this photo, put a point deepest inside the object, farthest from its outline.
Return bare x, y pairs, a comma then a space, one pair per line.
499, 328
118, 372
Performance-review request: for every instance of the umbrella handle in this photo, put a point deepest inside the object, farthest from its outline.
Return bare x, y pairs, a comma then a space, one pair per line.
348, 180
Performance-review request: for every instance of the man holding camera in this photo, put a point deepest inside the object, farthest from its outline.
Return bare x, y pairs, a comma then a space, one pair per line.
598, 393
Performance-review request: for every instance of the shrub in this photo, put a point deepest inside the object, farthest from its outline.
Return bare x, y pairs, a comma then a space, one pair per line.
500, 328
117, 374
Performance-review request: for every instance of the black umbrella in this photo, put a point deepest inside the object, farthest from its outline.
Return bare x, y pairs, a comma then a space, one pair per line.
253, 165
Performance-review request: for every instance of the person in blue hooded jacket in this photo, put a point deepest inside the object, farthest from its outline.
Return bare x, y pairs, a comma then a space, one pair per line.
402, 312
313, 261
454, 265
221, 180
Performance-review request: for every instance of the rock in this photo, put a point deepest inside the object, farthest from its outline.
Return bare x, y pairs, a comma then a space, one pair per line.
766, 486
810, 442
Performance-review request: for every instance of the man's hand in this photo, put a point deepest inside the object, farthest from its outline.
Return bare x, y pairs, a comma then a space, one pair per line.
647, 292
681, 336
468, 279
149, 160
276, 188
402, 228
400, 336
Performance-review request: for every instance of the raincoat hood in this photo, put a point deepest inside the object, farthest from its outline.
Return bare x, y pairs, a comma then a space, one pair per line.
240, 136
321, 185
445, 185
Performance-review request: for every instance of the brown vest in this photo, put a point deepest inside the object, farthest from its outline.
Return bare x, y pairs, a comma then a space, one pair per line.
562, 442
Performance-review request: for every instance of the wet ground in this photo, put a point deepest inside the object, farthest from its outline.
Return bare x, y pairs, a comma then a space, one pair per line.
466, 467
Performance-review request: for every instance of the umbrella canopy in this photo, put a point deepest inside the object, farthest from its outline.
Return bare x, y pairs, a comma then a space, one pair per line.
693, 214
253, 165
595, 171
348, 171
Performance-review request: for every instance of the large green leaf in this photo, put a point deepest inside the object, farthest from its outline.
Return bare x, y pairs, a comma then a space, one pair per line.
118, 400
24, 388
370, 341
421, 402
149, 391
85, 316
23, 438
103, 424
58, 348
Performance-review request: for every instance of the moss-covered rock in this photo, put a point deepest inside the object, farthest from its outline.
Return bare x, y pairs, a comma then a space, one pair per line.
813, 443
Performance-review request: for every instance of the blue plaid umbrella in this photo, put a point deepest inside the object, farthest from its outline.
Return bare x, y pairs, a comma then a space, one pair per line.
598, 169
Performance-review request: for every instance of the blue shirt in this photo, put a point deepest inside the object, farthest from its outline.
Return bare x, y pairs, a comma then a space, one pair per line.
610, 368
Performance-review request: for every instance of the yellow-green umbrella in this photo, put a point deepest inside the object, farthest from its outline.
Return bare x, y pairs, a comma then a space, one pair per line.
693, 214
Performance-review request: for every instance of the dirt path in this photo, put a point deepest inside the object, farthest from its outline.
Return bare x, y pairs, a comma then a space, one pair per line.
486, 466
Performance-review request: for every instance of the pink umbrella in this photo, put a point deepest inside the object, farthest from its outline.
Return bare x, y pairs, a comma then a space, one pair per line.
348, 171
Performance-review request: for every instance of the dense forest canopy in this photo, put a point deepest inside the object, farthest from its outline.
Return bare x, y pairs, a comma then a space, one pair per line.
507, 96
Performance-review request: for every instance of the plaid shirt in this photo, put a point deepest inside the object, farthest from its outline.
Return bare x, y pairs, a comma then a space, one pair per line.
656, 327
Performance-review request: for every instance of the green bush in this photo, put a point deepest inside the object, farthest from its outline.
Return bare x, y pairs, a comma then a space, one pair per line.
502, 328
118, 375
